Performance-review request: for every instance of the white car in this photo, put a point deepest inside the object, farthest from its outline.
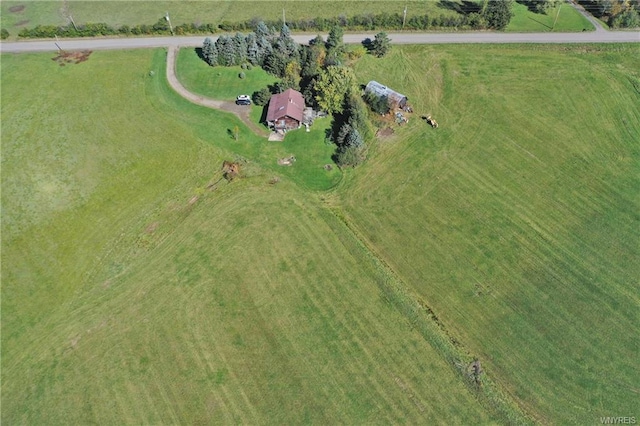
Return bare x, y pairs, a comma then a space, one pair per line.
243, 100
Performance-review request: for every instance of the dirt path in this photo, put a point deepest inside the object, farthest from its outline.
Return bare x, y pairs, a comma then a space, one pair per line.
241, 111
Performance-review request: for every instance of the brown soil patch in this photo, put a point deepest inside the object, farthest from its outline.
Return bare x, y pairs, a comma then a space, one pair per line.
21, 23
287, 161
193, 200
17, 9
152, 228
63, 57
385, 133
230, 170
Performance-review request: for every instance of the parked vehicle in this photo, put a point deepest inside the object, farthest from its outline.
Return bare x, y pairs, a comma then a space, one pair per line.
243, 100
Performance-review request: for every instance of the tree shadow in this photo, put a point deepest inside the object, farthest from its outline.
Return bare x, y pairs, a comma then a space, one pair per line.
367, 43
541, 23
263, 116
465, 7
532, 5
198, 51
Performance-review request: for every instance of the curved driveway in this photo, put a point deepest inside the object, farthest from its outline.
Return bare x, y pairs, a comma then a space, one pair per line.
597, 36
239, 110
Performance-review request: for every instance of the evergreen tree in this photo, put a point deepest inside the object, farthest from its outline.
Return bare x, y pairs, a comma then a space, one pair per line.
240, 48
353, 139
335, 46
380, 44
253, 51
334, 41
226, 51
262, 30
285, 44
263, 40
498, 13
210, 52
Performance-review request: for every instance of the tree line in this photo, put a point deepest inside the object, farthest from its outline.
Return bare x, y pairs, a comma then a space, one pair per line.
387, 21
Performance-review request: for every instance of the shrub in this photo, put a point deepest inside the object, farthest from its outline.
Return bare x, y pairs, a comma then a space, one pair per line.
350, 156
242, 75
261, 97
4, 34
379, 104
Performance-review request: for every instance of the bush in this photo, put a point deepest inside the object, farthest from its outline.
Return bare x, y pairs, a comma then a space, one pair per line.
379, 104
4, 34
241, 75
350, 156
261, 97
627, 19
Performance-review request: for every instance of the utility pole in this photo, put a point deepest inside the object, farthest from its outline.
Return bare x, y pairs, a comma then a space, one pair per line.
73, 22
556, 20
169, 21
404, 17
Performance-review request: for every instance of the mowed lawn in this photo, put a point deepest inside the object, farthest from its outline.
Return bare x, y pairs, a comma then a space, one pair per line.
310, 149
517, 219
135, 291
219, 82
565, 17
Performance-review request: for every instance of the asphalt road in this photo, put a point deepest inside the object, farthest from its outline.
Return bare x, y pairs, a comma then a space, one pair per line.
397, 38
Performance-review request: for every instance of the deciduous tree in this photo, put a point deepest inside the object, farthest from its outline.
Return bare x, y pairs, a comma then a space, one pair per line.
332, 87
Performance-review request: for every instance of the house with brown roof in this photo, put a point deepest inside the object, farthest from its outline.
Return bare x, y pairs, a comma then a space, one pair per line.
286, 110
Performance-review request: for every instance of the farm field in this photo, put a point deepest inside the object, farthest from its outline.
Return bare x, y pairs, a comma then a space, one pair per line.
148, 12
517, 219
140, 287
133, 291
18, 14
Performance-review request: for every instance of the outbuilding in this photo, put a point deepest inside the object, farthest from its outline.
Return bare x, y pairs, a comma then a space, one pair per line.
286, 110
396, 100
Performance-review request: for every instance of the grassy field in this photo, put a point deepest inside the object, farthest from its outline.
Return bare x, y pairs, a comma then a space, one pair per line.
133, 292
517, 219
18, 14
139, 287
148, 12
568, 19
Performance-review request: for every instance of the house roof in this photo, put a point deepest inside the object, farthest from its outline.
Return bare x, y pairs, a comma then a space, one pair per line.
382, 90
289, 103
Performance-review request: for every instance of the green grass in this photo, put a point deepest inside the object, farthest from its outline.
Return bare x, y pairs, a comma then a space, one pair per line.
517, 219
569, 19
310, 149
148, 12
136, 290
125, 299
219, 82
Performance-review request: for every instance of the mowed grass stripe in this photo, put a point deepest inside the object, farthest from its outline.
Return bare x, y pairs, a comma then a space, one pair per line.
216, 310
520, 235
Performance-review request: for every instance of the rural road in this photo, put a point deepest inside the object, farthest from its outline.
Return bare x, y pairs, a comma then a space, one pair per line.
598, 36
239, 110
